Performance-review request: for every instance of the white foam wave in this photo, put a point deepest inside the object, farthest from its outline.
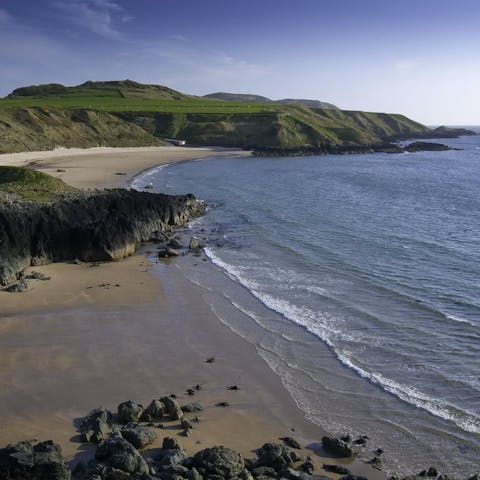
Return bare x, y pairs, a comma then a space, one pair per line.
466, 420
460, 320
139, 181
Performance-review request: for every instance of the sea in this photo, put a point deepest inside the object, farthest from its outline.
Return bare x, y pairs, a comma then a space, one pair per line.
357, 278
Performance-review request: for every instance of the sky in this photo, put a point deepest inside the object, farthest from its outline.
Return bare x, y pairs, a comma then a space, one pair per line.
420, 58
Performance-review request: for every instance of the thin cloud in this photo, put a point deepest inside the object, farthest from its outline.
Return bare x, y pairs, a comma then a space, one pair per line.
98, 16
4, 17
404, 65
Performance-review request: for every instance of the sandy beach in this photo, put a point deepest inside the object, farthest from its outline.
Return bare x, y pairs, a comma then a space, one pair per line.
99, 334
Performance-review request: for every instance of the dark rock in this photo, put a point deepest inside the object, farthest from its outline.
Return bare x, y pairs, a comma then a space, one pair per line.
192, 407
219, 461
337, 447
426, 147
346, 438
263, 471
432, 472
378, 451
155, 409
172, 457
96, 426
129, 412
190, 391
222, 404
118, 453
290, 442
210, 360
79, 471
91, 226
25, 461
186, 424
37, 276
172, 408
275, 456
171, 444
193, 474
475, 477
353, 477
336, 469
307, 467
233, 387
376, 462
138, 435
114, 474
175, 243
214, 477
361, 440
19, 287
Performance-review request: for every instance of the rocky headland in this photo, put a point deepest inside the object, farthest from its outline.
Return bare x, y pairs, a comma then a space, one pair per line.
327, 149
93, 226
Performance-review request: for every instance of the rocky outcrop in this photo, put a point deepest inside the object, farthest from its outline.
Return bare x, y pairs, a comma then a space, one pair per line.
89, 226
42, 461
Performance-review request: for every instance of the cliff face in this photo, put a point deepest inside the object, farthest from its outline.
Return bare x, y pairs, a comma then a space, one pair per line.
44, 128
91, 226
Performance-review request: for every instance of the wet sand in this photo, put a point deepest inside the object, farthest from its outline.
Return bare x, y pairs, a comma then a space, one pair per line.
97, 335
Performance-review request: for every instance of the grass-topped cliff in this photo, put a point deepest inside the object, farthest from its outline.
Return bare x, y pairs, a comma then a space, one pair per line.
127, 113
28, 184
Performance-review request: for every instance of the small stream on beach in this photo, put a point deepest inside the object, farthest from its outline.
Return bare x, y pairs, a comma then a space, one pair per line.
357, 278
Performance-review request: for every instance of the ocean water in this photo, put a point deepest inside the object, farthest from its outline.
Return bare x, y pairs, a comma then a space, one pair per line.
358, 280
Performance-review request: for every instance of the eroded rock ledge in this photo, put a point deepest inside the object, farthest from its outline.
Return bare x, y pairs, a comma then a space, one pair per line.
90, 226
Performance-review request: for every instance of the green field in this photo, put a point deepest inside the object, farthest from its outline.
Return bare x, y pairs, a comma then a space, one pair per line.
120, 104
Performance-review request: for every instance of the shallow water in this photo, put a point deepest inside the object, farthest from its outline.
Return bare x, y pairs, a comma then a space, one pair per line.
358, 279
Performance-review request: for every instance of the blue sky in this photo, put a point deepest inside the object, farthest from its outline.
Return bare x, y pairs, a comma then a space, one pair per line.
420, 58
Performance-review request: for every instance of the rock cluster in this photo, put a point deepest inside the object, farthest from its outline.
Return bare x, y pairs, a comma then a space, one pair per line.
120, 453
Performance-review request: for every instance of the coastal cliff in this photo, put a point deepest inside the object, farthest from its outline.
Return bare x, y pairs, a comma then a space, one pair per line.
89, 226
126, 113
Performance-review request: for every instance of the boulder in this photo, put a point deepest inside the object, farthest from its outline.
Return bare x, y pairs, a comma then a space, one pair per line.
290, 442
116, 452
219, 460
193, 244
129, 412
171, 457
23, 461
192, 407
20, 287
337, 447
96, 426
138, 435
336, 469
155, 409
172, 408
175, 243
170, 443
275, 456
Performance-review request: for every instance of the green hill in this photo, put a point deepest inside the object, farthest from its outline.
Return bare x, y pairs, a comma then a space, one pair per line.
127, 113
247, 97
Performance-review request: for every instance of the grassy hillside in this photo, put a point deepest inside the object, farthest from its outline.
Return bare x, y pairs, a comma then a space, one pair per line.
44, 128
126, 113
29, 184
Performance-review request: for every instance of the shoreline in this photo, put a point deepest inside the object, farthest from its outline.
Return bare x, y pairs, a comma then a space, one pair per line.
51, 353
